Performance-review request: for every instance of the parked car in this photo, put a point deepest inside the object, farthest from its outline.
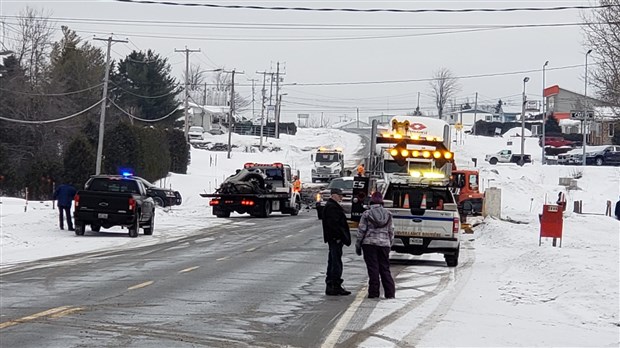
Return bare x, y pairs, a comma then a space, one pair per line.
195, 133
557, 142
343, 183
163, 197
607, 155
507, 156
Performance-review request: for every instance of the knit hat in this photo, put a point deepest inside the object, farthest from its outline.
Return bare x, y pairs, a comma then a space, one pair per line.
376, 198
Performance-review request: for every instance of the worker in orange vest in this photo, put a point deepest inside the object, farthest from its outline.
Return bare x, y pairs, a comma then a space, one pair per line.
361, 171
296, 184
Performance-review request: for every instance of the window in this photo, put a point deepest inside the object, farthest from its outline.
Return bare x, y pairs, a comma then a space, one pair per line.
610, 130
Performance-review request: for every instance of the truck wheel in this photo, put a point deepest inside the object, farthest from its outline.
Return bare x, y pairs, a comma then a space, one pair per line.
79, 228
295, 210
599, 161
223, 214
266, 209
452, 260
95, 227
148, 229
133, 229
493, 161
159, 202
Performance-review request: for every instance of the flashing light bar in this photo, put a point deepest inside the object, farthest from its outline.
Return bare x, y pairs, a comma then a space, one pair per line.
427, 175
251, 164
427, 154
412, 136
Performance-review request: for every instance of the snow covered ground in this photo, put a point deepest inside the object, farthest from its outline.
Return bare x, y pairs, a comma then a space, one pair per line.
516, 293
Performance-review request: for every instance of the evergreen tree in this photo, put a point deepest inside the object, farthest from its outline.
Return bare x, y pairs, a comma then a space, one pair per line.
144, 86
552, 126
79, 161
121, 149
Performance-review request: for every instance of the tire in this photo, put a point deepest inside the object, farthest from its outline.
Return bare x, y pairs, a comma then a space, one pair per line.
493, 161
598, 161
266, 209
452, 260
159, 202
79, 228
133, 229
223, 214
95, 227
148, 230
296, 209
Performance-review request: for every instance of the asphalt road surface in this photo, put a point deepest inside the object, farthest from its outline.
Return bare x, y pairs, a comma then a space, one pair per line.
247, 283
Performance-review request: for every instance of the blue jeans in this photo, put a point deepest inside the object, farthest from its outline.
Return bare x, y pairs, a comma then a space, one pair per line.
67, 212
334, 262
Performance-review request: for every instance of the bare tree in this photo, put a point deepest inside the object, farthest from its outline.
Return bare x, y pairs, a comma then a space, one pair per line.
602, 33
33, 43
445, 86
222, 82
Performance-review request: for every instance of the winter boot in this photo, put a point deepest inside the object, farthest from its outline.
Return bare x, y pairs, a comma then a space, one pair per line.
340, 289
331, 289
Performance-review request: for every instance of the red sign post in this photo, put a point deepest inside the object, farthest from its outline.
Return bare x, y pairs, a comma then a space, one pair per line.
551, 222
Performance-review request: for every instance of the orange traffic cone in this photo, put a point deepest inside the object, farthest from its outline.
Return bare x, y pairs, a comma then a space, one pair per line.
423, 204
406, 201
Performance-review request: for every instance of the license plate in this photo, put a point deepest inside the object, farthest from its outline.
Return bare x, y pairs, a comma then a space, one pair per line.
415, 241
102, 216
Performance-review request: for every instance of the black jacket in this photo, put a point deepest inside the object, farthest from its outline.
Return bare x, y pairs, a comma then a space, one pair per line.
617, 212
335, 226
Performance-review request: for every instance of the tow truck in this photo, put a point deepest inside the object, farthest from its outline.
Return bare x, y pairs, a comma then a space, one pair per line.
415, 163
258, 189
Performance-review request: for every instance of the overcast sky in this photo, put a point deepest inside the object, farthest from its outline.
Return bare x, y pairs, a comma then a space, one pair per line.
413, 48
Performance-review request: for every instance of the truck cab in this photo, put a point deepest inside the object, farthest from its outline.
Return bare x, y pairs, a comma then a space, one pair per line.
465, 187
328, 164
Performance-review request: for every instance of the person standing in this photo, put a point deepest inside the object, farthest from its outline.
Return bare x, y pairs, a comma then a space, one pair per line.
375, 236
64, 195
336, 233
361, 171
617, 210
296, 184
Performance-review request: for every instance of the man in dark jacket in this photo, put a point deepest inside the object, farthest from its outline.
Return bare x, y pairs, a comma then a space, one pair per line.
617, 212
64, 195
336, 234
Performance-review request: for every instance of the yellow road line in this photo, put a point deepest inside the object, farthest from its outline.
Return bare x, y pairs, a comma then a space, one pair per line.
188, 269
66, 312
58, 311
222, 258
141, 285
251, 249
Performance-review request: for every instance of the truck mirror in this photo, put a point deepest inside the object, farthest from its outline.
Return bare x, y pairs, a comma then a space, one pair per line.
475, 160
312, 158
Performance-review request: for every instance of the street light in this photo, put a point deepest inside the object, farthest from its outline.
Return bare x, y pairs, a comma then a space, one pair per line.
544, 117
521, 160
585, 107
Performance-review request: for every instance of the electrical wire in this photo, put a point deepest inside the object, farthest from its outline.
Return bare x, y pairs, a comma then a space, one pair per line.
324, 9
146, 96
51, 94
142, 119
52, 121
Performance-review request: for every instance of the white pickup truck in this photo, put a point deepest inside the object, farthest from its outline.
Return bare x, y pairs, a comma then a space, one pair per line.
507, 156
426, 219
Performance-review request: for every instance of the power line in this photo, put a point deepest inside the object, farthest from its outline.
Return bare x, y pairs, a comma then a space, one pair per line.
51, 94
144, 96
52, 121
142, 119
394, 10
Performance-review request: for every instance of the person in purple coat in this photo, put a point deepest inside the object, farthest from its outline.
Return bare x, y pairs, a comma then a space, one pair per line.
64, 195
375, 236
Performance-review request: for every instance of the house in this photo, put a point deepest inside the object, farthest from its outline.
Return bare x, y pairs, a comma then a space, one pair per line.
600, 126
468, 117
205, 115
381, 119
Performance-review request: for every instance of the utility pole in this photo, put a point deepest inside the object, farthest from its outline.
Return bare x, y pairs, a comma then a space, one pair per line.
232, 109
475, 113
187, 52
321, 123
253, 80
104, 98
262, 113
278, 100
358, 117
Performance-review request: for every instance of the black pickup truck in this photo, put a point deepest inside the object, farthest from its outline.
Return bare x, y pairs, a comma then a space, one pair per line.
114, 200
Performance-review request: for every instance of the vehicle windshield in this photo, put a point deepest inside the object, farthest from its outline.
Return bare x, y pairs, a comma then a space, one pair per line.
114, 185
341, 184
327, 157
196, 129
415, 196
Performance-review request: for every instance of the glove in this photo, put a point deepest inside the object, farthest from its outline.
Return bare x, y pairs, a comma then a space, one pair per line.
358, 250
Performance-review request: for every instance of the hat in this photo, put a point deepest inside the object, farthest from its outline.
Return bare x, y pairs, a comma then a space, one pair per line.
376, 198
336, 191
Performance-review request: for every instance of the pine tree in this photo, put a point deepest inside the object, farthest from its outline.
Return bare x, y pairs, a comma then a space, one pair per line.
79, 161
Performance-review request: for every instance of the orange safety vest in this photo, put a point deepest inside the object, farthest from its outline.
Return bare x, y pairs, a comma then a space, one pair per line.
297, 185
360, 170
